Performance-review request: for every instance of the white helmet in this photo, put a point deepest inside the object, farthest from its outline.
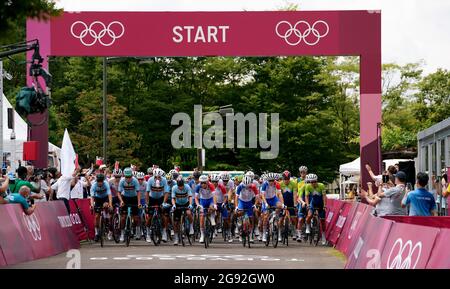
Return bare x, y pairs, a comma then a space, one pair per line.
203, 178
225, 176
140, 175
247, 180
271, 176
303, 169
311, 178
215, 177
250, 174
158, 172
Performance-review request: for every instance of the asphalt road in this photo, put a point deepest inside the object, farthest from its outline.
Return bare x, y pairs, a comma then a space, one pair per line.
220, 255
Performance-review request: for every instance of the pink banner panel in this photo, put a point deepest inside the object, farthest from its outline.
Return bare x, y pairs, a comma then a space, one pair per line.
341, 221
86, 216
359, 222
366, 253
332, 217
408, 247
347, 225
437, 222
2, 258
440, 256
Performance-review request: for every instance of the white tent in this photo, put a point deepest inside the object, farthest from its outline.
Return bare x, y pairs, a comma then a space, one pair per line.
352, 170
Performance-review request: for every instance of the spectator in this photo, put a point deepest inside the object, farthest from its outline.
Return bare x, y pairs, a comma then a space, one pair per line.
63, 187
4, 181
76, 191
421, 202
21, 198
378, 179
388, 199
15, 185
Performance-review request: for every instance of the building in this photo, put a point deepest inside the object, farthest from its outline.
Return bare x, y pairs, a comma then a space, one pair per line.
434, 149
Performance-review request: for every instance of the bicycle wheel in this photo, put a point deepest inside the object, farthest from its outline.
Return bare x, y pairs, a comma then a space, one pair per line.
128, 231
101, 230
248, 232
317, 232
267, 233
116, 228
187, 227
207, 229
286, 231
275, 233
181, 230
154, 229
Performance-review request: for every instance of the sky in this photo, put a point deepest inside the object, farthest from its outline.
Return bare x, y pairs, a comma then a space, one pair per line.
412, 30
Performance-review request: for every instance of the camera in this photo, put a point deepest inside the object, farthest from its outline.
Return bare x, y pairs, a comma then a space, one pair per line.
3, 171
385, 179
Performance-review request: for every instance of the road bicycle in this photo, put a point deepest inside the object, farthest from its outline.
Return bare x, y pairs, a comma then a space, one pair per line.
244, 229
183, 232
156, 225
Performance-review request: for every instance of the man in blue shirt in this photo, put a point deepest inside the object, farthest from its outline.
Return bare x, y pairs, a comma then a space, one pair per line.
421, 201
21, 198
100, 198
129, 188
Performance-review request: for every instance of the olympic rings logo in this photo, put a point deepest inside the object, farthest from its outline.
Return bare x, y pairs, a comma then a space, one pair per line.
32, 224
398, 262
89, 35
302, 31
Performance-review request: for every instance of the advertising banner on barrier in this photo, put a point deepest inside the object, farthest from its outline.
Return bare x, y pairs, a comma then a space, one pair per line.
14, 239
408, 247
437, 222
440, 257
330, 206
332, 217
349, 239
347, 224
337, 228
81, 217
366, 254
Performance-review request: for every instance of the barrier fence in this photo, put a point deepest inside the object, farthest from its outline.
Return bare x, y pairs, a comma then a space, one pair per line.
391, 242
44, 233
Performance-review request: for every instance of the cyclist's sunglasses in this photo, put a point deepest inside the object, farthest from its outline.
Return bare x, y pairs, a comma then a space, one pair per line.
203, 183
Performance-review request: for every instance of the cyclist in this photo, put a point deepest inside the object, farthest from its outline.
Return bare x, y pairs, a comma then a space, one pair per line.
181, 198
195, 180
100, 198
142, 189
245, 193
289, 191
129, 188
301, 180
205, 199
116, 196
315, 199
271, 197
149, 174
222, 201
302, 209
157, 195
256, 201
172, 178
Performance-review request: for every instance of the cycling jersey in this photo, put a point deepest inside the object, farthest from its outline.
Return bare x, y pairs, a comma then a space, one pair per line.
157, 188
181, 196
142, 189
315, 195
269, 191
288, 192
100, 192
246, 193
301, 193
129, 189
205, 194
114, 188
220, 193
300, 184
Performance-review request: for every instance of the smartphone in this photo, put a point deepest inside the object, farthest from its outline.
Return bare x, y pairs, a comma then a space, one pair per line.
3, 171
385, 179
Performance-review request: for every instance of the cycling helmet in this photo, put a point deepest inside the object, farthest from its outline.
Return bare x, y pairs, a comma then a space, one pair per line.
169, 176
250, 174
100, 177
271, 176
158, 172
247, 180
135, 173
140, 176
150, 171
117, 173
311, 178
264, 177
127, 172
174, 174
177, 168
215, 178
225, 176
203, 178
303, 169
180, 182
286, 175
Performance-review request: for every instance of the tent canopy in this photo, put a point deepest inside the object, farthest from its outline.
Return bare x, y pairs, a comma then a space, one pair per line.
352, 168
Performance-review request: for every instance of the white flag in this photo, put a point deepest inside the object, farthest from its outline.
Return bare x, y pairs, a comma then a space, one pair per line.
68, 156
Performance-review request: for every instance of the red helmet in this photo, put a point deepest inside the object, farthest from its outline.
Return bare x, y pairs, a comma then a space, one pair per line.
286, 175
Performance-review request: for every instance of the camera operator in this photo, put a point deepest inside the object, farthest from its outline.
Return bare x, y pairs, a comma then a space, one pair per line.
40, 178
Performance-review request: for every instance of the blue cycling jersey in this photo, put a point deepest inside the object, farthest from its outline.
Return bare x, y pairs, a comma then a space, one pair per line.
129, 189
157, 188
100, 191
181, 196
